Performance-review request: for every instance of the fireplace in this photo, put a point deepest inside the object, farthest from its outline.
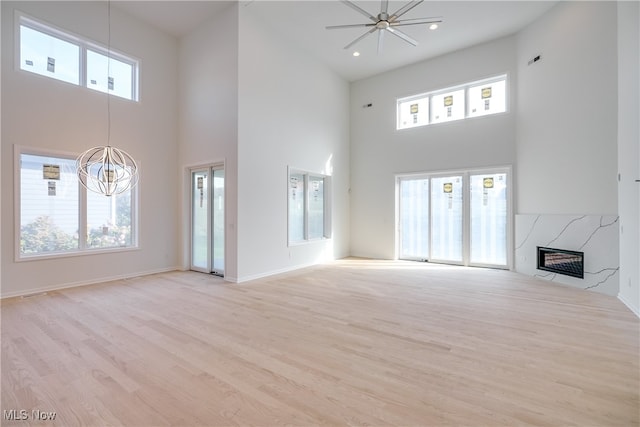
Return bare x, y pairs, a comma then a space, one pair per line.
561, 261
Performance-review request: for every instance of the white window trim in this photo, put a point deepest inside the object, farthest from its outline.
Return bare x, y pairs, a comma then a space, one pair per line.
83, 43
82, 212
327, 206
465, 87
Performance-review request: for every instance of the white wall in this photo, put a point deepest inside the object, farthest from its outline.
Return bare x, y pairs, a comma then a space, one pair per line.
567, 112
629, 152
1, 234
567, 132
44, 113
208, 111
379, 151
293, 111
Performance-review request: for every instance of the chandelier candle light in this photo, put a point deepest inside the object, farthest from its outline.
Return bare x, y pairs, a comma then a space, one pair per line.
105, 169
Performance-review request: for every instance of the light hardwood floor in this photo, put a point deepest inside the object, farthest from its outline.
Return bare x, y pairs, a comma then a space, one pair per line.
354, 342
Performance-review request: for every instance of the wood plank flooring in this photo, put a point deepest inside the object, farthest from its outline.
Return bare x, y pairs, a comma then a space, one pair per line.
355, 342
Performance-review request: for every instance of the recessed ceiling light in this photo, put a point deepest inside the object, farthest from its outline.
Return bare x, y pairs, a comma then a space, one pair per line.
356, 53
433, 26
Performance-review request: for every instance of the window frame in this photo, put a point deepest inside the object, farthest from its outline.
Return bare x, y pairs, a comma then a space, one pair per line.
110, 53
451, 92
465, 98
83, 247
84, 44
488, 81
466, 175
326, 197
50, 32
415, 98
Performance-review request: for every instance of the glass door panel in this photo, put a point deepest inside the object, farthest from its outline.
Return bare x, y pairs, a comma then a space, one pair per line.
455, 218
414, 219
207, 220
218, 221
488, 216
446, 219
200, 220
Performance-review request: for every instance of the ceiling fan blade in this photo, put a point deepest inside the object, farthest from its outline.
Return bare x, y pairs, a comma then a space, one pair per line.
360, 38
337, 27
380, 38
402, 35
384, 7
404, 9
417, 21
360, 10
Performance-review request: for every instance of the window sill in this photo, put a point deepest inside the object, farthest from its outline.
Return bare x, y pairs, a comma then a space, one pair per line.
70, 254
307, 242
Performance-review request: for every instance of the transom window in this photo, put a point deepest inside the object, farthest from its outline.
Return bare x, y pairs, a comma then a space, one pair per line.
58, 216
60, 55
473, 99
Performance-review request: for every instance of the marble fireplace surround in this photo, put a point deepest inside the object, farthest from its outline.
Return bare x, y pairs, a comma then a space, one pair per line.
595, 235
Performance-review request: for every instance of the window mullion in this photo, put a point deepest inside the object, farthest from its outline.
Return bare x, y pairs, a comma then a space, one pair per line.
134, 217
466, 220
306, 207
83, 65
325, 207
82, 218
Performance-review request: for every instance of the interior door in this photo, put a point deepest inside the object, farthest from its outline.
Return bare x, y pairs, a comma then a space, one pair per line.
207, 220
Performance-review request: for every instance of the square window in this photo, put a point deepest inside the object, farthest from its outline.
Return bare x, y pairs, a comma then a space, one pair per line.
487, 98
58, 216
413, 112
447, 106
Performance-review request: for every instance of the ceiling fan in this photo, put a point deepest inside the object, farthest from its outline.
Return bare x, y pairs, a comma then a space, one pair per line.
385, 22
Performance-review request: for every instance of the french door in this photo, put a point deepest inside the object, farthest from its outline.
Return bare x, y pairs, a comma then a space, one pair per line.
455, 218
207, 220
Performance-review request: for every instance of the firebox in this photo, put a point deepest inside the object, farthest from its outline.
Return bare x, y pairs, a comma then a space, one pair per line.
561, 261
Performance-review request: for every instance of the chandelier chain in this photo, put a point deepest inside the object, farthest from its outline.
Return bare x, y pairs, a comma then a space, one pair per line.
108, 73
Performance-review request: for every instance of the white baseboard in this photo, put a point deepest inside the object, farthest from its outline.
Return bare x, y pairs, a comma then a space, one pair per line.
268, 273
61, 286
633, 309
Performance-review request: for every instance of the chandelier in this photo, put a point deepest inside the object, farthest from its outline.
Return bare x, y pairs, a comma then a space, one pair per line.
105, 169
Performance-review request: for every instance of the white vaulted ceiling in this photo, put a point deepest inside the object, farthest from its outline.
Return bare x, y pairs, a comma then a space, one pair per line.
465, 23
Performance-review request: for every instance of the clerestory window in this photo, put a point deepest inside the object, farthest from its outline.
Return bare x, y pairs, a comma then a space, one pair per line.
63, 56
